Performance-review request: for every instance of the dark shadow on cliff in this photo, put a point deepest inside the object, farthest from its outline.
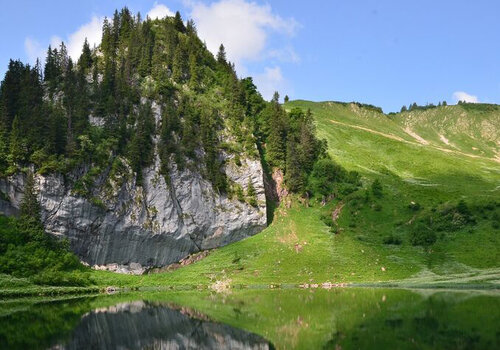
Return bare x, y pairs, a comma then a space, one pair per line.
272, 198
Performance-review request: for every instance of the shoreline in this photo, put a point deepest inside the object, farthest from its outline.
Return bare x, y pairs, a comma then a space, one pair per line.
46, 291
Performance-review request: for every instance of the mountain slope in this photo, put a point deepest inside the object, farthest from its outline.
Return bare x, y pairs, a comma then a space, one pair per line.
377, 237
142, 151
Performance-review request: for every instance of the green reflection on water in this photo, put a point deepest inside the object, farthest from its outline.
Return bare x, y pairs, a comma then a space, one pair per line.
304, 319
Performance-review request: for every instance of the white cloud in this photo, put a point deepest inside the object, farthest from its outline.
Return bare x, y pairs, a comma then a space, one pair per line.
243, 27
269, 81
74, 42
91, 30
159, 11
33, 50
463, 96
286, 54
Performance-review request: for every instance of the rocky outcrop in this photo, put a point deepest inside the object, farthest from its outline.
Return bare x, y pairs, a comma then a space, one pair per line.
128, 228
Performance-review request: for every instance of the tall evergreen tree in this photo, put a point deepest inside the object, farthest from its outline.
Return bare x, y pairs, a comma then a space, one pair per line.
221, 55
30, 206
194, 72
178, 23
18, 148
294, 175
85, 60
180, 65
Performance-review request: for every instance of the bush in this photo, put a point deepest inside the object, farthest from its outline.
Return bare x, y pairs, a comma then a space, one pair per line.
391, 239
26, 251
329, 178
413, 206
377, 207
251, 194
377, 188
422, 236
327, 220
238, 190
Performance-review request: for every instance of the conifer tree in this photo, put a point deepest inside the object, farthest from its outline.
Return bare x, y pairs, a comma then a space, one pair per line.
63, 58
70, 102
194, 74
30, 206
85, 60
251, 193
294, 175
18, 148
179, 67
178, 23
221, 55
52, 70
191, 28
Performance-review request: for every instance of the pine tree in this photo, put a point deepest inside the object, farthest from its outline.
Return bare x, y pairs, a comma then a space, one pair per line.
294, 175
276, 97
251, 193
18, 148
10, 91
308, 150
179, 67
63, 58
140, 152
179, 25
221, 55
191, 28
276, 141
52, 70
85, 60
69, 102
194, 74
30, 207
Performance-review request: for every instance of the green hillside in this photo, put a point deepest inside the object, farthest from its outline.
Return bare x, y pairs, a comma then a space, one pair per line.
468, 128
436, 220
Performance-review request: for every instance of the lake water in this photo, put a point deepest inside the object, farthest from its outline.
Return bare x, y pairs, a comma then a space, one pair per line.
346, 318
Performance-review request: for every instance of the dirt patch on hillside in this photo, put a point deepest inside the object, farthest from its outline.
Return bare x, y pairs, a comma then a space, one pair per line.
416, 136
397, 138
191, 259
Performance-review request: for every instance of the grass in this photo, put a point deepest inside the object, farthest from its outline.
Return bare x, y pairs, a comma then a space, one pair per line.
12, 287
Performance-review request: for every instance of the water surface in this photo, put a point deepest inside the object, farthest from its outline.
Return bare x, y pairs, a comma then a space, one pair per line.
345, 318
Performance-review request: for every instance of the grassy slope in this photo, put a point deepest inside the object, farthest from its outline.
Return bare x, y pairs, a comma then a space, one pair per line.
468, 128
298, 248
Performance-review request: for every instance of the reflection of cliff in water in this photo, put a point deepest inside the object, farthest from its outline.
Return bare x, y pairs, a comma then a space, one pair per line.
143, 325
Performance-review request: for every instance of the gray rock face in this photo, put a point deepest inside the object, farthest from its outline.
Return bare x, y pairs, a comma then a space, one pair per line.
129, 227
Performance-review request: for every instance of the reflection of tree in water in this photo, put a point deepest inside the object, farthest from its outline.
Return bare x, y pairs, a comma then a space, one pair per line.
41, 325
142, 325
436, 322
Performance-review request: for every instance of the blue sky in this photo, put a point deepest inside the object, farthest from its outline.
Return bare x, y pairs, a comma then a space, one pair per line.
386, 52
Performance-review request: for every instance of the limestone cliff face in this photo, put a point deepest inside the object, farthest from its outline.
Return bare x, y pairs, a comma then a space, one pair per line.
130, 228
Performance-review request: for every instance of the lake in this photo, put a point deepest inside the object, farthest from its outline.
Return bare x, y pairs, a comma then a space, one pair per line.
343, 318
